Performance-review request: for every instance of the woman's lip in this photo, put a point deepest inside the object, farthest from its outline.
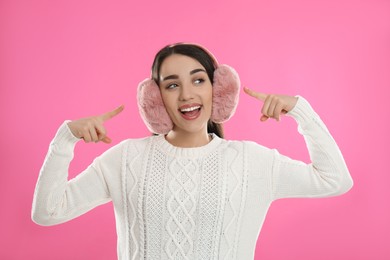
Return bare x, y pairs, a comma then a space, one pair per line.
189, 105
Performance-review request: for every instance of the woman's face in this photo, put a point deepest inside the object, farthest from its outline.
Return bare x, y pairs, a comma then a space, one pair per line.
186, 92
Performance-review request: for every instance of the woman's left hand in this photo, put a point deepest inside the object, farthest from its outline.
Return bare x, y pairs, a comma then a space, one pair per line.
274, 105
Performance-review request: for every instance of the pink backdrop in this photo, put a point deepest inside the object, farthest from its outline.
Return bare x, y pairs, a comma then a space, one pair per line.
69, 59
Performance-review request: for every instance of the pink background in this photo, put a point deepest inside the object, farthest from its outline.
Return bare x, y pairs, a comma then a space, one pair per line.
69, 59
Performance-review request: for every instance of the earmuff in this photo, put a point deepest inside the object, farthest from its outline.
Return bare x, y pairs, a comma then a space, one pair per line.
226, 88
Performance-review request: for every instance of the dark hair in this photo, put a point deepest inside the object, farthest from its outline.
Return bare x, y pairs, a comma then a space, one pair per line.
202, 56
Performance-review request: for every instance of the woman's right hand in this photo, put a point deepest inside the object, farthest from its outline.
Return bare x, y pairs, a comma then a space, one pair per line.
91, 129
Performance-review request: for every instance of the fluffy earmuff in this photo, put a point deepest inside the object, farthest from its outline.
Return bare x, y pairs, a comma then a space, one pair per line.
226, 88
152, 109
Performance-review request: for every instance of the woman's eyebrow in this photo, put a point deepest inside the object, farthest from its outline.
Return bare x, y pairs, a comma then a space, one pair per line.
196, 70
170, 77
176, 76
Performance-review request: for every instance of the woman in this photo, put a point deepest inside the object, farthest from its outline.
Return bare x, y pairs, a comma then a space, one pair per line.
186, 193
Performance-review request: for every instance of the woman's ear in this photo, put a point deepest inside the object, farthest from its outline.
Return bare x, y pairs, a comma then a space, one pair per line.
226, 90
151, 107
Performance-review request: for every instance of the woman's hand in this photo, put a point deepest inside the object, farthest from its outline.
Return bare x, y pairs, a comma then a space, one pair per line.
91, 129
274, 105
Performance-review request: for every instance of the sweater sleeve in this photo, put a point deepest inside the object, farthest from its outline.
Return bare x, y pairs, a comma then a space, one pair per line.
326, 175
57, 200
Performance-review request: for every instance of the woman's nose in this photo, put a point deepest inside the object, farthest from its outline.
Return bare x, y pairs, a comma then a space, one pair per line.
186, 92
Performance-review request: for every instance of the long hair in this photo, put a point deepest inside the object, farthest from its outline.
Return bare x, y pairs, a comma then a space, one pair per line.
202, 56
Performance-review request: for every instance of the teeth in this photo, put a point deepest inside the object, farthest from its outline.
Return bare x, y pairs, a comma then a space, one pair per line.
189, 109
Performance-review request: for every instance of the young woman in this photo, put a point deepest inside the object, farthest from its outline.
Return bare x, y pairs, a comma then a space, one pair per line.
186, 193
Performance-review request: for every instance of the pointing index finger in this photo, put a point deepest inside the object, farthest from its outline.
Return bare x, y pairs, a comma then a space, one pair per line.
111, 114
258, 95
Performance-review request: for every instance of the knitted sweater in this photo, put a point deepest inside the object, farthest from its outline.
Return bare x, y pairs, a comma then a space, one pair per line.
207, 202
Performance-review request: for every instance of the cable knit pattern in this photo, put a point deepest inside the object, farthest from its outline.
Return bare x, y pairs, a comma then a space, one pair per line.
155, 205
176, 203
182, 188
130, 171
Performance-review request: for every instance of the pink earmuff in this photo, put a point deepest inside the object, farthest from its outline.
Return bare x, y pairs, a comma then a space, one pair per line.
226, 88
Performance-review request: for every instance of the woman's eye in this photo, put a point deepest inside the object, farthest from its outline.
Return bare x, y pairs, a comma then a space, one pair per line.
171, 86
199, 81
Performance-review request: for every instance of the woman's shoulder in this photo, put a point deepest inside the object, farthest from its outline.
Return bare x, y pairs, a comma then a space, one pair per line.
247, 145
130, 144
137, 141
252, 152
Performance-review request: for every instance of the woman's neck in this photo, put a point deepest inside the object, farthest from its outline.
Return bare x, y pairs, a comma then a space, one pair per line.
187, 139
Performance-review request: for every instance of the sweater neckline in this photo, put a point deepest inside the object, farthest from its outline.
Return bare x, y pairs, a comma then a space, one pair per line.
200, 151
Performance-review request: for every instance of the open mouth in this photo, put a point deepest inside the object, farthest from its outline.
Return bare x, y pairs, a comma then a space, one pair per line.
190, 112
189, 109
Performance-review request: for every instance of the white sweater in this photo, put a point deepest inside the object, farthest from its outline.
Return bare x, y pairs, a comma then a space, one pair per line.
207, 202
